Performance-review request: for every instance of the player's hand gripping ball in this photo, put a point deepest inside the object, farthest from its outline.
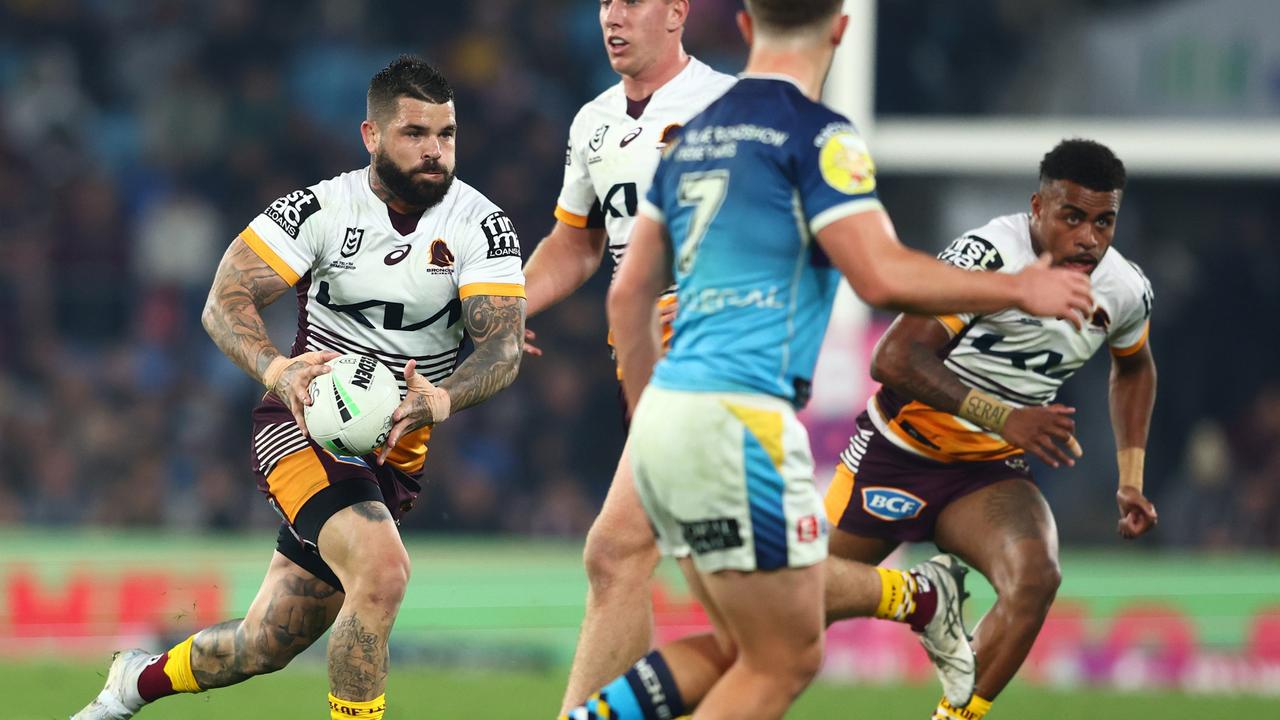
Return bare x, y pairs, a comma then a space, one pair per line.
350, 410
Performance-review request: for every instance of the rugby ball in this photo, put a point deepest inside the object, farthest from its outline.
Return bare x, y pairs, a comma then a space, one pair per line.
351, 406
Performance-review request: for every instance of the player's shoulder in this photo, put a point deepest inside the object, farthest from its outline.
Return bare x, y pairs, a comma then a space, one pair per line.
1119, 275
315, 204
468, 203
701, 82
598, 107
1001, 245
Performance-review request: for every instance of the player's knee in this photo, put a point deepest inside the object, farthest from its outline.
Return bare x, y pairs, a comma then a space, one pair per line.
790, 669
615, 559
1034, 585
382, 581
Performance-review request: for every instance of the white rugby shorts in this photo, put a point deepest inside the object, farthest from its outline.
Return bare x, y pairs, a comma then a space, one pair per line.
727, 478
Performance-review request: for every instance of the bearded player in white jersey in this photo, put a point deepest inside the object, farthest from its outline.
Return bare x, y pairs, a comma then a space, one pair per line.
940, 452
612, 152
397, 261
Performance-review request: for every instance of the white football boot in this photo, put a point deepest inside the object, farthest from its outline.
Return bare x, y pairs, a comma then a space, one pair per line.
944, 638
119, 699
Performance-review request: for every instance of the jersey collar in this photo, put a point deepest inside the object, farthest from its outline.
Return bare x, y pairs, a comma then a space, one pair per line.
772, 76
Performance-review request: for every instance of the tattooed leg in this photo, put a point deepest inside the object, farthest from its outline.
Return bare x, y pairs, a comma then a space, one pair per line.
363, 547
291, 611
1007, 532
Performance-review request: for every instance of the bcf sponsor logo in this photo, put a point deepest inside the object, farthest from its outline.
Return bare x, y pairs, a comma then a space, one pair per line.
891, 504
810, 527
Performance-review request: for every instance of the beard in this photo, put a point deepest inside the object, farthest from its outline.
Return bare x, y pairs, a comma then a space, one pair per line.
419, 193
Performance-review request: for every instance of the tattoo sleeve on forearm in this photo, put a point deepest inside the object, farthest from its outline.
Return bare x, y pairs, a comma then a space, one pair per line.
923, 377
496, 327
242, 285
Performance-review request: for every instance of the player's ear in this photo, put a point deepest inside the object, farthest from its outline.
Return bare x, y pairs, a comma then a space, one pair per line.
1037, 204
837, 30
677, 13
744, 26
369, 133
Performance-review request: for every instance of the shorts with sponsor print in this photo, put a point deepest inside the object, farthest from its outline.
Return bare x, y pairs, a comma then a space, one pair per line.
882, 491
307, 484
727, 478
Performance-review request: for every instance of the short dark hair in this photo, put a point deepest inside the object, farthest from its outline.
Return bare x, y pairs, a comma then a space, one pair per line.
406, 76
1083, 162
791, 14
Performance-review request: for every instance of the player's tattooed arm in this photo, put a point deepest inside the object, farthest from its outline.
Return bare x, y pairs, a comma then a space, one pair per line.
496, 327
243, 284
907, 360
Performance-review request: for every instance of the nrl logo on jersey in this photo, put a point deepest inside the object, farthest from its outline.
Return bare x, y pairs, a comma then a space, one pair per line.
597, 140
351, 242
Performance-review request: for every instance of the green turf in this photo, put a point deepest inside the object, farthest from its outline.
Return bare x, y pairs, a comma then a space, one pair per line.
43, 691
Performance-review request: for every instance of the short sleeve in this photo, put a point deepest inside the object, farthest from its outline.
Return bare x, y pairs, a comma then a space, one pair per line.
490, 258
577, 205
1129, 333
969, 252
286, 235
836, 175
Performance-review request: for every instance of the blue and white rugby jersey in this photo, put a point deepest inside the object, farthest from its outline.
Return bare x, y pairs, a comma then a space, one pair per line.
743, 189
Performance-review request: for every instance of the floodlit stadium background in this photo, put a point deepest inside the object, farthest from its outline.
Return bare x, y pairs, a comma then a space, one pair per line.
137, 137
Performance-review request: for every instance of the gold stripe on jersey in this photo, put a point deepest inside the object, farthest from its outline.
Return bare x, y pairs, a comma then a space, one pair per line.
571, 219
269, 256
410, 453
954, 439
1142, 341
952, 323
499, 289
839, 494
295, 479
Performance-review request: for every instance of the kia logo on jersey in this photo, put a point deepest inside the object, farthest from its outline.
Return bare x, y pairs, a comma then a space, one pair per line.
891, 504
351, 243
626, 140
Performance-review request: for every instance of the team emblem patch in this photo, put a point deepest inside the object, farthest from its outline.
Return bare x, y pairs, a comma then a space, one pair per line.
501, 234
441, 256
351, 242
597, 140
292, 210
891, 504
846, 165
972, 253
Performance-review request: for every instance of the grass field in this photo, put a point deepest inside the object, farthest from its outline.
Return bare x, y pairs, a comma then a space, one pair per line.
43, 692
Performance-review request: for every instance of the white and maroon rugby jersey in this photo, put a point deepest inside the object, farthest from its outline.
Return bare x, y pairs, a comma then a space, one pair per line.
365, 288
1020, 358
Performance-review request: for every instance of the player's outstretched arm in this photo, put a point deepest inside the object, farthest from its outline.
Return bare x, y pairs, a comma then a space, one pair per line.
644, 273
244, 284
907, 359
888, 275
1133, 398
564, 260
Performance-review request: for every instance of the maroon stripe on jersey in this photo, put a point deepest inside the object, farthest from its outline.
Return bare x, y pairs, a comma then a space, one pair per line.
327, 336
985, 383
635, 108
300, 341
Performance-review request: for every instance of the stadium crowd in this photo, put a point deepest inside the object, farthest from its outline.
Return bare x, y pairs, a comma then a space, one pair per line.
139, 137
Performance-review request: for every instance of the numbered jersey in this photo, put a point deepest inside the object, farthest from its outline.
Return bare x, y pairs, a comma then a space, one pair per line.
363, 287
743, 189
1019, 358
611, 155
